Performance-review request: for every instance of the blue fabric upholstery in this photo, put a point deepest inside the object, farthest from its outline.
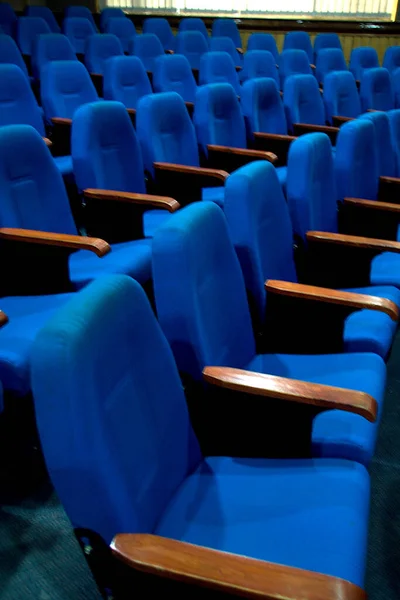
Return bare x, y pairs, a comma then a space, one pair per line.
45, 13
217, 67
162, 29
263, 41
28, 29
125, 80
8, 19
110, 13
302, 101
326, 40
193, 24
48, 48
383, 143
361, 59
341, 96
99, 48
394, 122
34, 197
193, 45
328, 60
293, 62
299, 40
64, 87
123, 28
172, 73
391, 60
376, 90
10, 54
259, 63
262, 107
78, 30
396, 87
226, 28
225, 44
148, 48
81, 12
203, 310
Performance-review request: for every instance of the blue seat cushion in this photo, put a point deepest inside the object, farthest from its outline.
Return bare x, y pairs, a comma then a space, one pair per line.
64, 165
27, 315
153, 219
127, 258
310, 514
369, 331
335, 433
214, 194
282, 175
385, 269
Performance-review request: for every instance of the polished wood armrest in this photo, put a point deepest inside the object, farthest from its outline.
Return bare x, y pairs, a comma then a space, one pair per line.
240, 50
131, 111
3, 318
169, 52
227, 573
48, 142
189, 105
354, 241
274, 136
312, 66
311, 292
187, 170
61, 121
373, 110
254, 154
391, 180
163, 202
238, 69
75, 242
373, 205
321, 128
338, 120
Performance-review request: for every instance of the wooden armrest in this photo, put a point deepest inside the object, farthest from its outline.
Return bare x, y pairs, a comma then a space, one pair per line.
48, 142
373, 205
322, 128
311, 292
339, 120
216, 173
96, 75
228, 573
169, 52
353, 241
238, 69
3, 318
164, 202
312, 66
274, 136
131, 111
291, 390
240, 50
189, 105
61, 121
373, 110
75, 242
256, 154
391, 180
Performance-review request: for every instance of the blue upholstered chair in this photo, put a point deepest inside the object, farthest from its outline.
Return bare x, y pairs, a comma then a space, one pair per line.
110, 13
299, 40
8, 19
45, 13
125, 80
326, 40
293, 62
172, 73
162, 29
387, 166
28, 30
225, 44
263, 41
259, 63
394, 122
193, 24
136, 439
81, 12
50, 47
10, 54
226, 28
328, 60
376, 90
341, 97
362, 59
193, 45
217, 67
99, 48
148, 48
391, 60
123, 28
78, 30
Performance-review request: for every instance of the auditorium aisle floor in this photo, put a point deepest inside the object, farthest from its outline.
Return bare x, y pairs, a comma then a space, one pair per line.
40, 559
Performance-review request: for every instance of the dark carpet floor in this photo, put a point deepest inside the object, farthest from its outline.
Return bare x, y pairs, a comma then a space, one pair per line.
40, 559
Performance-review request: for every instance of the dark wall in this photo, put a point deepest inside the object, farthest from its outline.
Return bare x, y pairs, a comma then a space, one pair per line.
59, 5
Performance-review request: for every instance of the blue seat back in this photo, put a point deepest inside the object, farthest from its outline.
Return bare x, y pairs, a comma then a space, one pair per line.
193, 45
165, 131
81, 12
263, 41
148, 48
200, 293
51, 47
123, 28
133, 444
394, 122
383, 143
326, 40
33, 195
299, 40
260, 229
216, 67
110, 13
162, 29
227, 28
225, 44
218, 118
172, 73
8, 18
362, 58
78, 30
125, 80
18, 104
10, 54
193, 24
99, 48
259, 63
391, 60
341, 96
328, 60
65, 85
356, 161
293, 62
396, 87
262, 107
105, 150
310, 189
302, 100
28, 29
45, 13
376, 90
